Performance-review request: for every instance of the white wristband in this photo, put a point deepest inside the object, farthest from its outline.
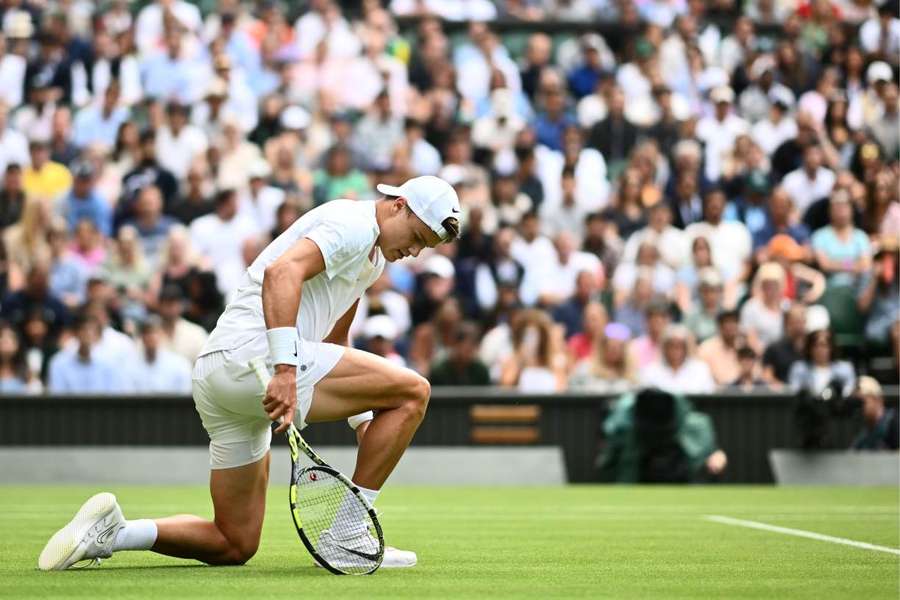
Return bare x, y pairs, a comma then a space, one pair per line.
357, 420
284, 345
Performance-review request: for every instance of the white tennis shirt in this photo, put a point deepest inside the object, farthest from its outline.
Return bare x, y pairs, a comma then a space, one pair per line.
345, 232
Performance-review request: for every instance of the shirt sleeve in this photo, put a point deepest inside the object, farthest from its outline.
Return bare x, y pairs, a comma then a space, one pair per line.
341, 244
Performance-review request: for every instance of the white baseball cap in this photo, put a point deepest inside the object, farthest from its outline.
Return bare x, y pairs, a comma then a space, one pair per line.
431, 198
380, 326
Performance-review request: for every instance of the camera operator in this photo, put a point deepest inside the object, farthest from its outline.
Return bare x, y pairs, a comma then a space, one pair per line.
880, 425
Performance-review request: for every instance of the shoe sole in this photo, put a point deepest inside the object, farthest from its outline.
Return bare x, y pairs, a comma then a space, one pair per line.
65, 548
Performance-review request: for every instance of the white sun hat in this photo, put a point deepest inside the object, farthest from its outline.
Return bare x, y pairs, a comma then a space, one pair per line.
431, 198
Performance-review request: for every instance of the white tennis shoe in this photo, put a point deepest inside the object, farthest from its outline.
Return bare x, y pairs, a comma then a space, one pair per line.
352, 552
90, 535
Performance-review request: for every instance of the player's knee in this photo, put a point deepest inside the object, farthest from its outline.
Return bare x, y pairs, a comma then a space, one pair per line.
240, 552
417, 396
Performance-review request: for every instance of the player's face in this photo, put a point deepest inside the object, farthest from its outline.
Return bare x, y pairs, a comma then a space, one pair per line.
405, 234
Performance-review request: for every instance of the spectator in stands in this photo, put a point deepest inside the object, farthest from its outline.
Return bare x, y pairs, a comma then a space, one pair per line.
12, 196
594, 320
615, 135
538, 364
196, 200
609, 368
151, 225
762, 316
177, 333
802, 283
881, 427
82, 370
842, 251
720, 352
780, 221
379, 333
749, 378
84, 203
68, 275
701, 319
810, 182
821, 368
670, 241
462, 365
647, 262
731, 239
36, 298
687, 289
677, 370
26, 241
780, 356
646, 348
158, 370
602, 240
338, 178
14, 376
880, 297
147, 170
44, 178
99, 123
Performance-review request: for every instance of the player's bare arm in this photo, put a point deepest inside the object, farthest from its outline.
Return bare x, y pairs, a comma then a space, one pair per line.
281, 292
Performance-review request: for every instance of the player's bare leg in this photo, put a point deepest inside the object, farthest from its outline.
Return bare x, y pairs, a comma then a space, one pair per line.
99, 528
362, 381
232, 538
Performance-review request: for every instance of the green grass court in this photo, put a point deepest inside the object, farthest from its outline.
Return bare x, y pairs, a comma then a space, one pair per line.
590, 541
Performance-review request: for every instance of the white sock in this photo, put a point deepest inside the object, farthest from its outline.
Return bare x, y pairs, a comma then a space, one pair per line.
139, 534
370, 495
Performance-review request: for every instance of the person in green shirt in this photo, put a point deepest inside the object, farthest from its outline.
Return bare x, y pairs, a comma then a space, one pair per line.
339, 179
462, 366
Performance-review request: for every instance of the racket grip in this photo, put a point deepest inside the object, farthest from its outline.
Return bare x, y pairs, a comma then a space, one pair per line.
258, 365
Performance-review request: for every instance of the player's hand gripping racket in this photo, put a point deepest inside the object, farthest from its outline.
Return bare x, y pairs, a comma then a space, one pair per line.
333, 519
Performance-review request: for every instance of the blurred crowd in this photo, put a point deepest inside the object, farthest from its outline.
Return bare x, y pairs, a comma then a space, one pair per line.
691, 195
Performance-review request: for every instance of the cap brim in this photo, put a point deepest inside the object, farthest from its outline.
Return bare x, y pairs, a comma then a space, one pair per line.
389, 190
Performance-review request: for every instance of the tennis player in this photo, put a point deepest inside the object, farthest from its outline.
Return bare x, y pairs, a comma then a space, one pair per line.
295, 306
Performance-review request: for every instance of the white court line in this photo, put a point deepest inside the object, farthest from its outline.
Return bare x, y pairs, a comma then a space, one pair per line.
800, 533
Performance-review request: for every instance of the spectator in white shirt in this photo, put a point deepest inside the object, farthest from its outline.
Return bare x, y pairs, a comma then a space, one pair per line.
731, 242
178, 334
558, 281
535, 253
476, 60
671, 242
881, 35
777, 128
13, 145
12, 75
678, 371
424, 158
719, 131
178, 142
810, 182
149, 27
220, 236
646, 262
260, 201
158, 370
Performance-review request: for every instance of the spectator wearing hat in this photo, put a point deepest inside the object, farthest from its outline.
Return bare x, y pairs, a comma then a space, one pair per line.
260, 201
757, 99
158, 370
720, 352
177, 333
802, 283
762, 316
719, 131
880, 423
702, 318
462, 365
677, 370
843, 252
84, 370
99, 122
83, 202
379, 333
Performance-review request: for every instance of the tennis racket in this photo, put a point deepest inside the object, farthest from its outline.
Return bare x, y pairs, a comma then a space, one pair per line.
336, 523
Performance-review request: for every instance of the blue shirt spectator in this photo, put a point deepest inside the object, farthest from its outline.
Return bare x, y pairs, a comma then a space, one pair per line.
84, 203
100, 122
553, 121
84, 369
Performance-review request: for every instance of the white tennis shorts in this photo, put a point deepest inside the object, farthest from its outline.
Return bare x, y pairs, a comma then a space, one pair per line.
228, 397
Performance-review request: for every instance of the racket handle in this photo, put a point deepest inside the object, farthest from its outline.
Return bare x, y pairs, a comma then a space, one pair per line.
258, 365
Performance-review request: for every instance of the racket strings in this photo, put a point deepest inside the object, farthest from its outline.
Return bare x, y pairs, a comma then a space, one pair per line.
336, 522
